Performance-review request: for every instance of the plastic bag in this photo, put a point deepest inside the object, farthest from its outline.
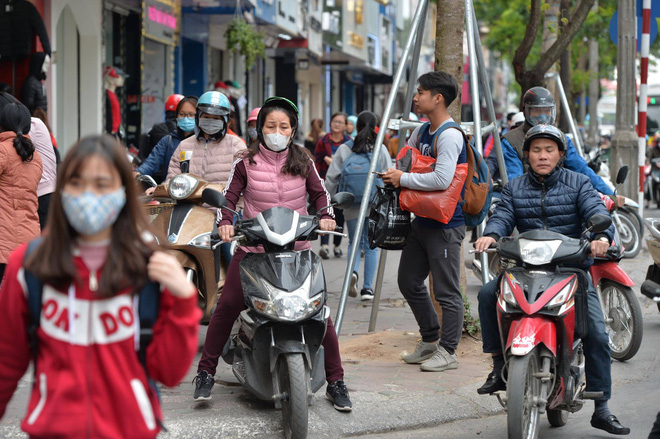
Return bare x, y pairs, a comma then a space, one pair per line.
389, 225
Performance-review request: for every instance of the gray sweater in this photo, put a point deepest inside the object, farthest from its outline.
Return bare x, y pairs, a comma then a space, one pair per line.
334, 172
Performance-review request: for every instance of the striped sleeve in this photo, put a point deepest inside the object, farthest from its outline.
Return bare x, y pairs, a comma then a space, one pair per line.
318, 193
232, 192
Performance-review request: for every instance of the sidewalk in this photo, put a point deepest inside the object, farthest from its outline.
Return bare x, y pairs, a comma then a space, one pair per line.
387, 394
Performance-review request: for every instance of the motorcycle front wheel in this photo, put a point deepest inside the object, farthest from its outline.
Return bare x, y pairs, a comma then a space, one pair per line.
523, 394
623, 319
630, 237
293, 377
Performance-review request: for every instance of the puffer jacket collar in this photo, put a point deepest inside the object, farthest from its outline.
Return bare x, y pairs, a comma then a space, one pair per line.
273, 157
549, 181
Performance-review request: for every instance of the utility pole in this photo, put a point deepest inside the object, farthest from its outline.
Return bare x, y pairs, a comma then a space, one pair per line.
624, 142
594, 92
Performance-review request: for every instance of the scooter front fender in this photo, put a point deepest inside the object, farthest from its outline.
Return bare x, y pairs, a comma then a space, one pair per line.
528, 332
610, 270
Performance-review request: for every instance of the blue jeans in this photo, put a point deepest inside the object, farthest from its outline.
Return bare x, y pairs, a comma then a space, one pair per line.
370, 256
596, 345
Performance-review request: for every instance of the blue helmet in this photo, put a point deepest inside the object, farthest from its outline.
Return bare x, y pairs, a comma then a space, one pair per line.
217, 104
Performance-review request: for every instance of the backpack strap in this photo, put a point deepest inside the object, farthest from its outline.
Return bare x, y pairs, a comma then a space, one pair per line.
148, 305
34, 293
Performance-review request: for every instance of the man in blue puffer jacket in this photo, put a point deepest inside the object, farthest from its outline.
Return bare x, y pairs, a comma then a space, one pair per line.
158, 160
539, 108
550, 197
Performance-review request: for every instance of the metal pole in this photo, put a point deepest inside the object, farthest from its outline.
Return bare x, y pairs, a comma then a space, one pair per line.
485, 271
489, 100
414, 28
476, 107
569, 116
642, 103
412, 79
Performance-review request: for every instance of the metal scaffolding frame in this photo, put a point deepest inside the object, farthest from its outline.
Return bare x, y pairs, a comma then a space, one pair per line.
478, 70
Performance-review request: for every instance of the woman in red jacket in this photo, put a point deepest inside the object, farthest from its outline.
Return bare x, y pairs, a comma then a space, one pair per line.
96, 256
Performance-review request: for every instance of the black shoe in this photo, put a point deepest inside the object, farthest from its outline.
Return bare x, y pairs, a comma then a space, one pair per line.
366, 294
338, 394
338, 252
323, 253
203, 384
493, 383
610, 424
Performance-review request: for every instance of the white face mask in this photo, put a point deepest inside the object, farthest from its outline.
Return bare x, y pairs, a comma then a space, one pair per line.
276, 141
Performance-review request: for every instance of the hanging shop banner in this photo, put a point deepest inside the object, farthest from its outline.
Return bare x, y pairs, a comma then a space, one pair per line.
161, 20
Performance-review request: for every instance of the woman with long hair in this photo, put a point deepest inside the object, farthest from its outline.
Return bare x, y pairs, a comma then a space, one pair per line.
315, 133
325, 150
272, 172
20, 172
95, 258
364, 143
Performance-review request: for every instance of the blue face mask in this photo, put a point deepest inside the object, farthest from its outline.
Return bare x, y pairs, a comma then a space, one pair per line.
89, 213
186, 124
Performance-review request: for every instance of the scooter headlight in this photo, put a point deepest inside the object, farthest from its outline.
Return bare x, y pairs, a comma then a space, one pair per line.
564, 295
538, 252
288, 306
182, 186
201, 241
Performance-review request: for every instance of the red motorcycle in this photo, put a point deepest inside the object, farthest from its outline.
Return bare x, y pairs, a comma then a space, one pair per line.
621, 309
542, 315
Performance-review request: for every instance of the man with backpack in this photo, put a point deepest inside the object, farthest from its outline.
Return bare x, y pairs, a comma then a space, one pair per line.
434, 246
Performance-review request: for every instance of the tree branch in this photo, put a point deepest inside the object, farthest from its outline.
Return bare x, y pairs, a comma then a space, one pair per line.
565, 37
528, 40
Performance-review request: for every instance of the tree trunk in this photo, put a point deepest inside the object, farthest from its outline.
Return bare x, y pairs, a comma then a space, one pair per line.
594, 91
450, 24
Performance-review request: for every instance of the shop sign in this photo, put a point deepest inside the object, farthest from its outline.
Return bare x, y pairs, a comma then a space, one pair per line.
161, 20
355, 40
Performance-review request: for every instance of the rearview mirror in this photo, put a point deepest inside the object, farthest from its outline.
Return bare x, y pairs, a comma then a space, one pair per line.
599, 223
213, 198
343, 200
622, 175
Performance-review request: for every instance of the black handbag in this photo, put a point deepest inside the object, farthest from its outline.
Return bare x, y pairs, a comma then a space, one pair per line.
389, 225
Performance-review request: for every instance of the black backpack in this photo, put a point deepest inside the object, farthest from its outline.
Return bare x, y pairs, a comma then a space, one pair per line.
149, 301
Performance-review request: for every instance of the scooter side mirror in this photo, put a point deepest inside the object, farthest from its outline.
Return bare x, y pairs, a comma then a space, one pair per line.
599, 223
622, 175
213, 198
343, 200
147, 180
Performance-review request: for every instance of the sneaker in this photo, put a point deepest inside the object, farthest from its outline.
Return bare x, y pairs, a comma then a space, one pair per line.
337, 393
440, 361
203, 384
423, 351
338, 252
324, 252
352, 291
366, 294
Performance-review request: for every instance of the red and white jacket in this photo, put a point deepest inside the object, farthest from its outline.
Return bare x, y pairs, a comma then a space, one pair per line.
89, 381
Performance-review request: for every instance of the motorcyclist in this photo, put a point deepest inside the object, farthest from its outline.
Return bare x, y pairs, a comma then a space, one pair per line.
272, 172
539, 108
161, 129
157, 162
209, 153
553, 198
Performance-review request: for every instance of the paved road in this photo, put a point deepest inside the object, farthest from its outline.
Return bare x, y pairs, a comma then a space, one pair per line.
393, 399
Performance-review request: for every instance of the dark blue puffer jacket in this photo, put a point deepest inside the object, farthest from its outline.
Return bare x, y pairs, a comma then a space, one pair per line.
562, 203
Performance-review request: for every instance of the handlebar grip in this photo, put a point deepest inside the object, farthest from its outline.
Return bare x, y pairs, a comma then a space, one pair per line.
339, 229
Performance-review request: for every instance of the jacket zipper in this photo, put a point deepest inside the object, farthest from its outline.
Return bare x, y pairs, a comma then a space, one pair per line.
93, 281
545, 225
206, 148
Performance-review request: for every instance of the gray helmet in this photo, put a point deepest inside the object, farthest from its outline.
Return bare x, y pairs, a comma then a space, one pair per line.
545, 132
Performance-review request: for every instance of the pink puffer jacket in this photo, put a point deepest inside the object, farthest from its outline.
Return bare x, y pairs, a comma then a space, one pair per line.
19, 221
210, 160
